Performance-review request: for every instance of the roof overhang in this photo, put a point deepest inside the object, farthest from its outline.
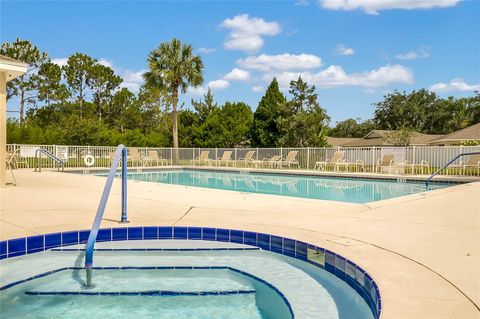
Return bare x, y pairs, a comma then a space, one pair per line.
443, 140
12, 68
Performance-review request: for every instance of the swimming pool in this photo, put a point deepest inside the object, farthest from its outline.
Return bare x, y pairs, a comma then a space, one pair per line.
353, 190
222, 274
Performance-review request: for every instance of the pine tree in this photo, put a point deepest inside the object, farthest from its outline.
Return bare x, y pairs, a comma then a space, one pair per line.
265, 131
302, 121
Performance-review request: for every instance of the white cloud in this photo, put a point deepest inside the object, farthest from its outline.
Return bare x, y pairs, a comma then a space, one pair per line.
412, 55
60, 61
134, 77
131, 80
223, 83
237, 75
105, 62
284, 62
246, 33
407, 56
200, 90
374, 6
457, 84
206, 50
335, 76
218, 85
343, 50
258, 88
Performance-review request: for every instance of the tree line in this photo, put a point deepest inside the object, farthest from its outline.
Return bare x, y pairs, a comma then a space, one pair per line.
84, 103
420, 111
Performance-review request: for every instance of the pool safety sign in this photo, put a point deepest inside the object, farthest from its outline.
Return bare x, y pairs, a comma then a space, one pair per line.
28, 150
61, 152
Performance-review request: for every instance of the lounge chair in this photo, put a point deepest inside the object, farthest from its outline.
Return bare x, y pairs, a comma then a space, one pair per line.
422, 167
17, 160
226, 158
473, 161
357, 166
154, 158
203, 158
334, 161
11, 162
290, 160
271, 162
248, 159
135, 156
387, 161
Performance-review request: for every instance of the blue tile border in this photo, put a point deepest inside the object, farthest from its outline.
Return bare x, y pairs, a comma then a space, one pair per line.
344, 269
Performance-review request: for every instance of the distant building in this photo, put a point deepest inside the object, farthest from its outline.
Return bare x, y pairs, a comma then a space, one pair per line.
379, 138
341, 141
471, 133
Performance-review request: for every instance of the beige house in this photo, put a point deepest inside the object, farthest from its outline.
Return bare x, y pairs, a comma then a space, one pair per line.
471, 133
340, 141
9, 70
379, 138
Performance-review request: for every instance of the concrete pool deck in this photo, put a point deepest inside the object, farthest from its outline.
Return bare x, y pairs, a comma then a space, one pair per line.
423, 250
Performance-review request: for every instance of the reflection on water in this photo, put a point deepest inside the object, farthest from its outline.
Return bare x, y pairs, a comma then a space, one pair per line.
338, 189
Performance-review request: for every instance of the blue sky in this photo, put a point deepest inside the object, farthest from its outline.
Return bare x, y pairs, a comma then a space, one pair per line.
353, 51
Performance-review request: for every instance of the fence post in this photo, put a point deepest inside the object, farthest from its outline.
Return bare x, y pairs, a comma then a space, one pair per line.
235, 154
413, 160
373, 159
256, 155
171, 155
54, 149
308, 158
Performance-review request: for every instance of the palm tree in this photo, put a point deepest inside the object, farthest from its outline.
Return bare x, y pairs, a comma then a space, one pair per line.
173, 66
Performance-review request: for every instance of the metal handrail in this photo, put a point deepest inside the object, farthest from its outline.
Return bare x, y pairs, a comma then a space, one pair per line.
121, 151
38, 156
446, 165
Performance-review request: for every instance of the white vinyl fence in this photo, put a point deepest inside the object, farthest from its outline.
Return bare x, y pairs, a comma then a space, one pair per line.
74, 156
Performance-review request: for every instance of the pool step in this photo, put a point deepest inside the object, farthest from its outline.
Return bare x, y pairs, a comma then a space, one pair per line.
159, 249
134, 280
161, 293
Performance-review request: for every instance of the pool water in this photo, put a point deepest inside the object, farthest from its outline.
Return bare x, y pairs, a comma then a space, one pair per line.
147, 293
337, 189
220, 282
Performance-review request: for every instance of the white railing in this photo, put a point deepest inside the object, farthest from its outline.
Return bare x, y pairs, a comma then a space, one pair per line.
75, 156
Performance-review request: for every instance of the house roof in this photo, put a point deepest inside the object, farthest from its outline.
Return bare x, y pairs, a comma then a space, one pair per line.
468, 133
377, 138
341, 141
377, 133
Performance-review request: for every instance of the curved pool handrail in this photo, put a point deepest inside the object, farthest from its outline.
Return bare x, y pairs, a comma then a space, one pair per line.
120, 152
38, 155
446, 165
